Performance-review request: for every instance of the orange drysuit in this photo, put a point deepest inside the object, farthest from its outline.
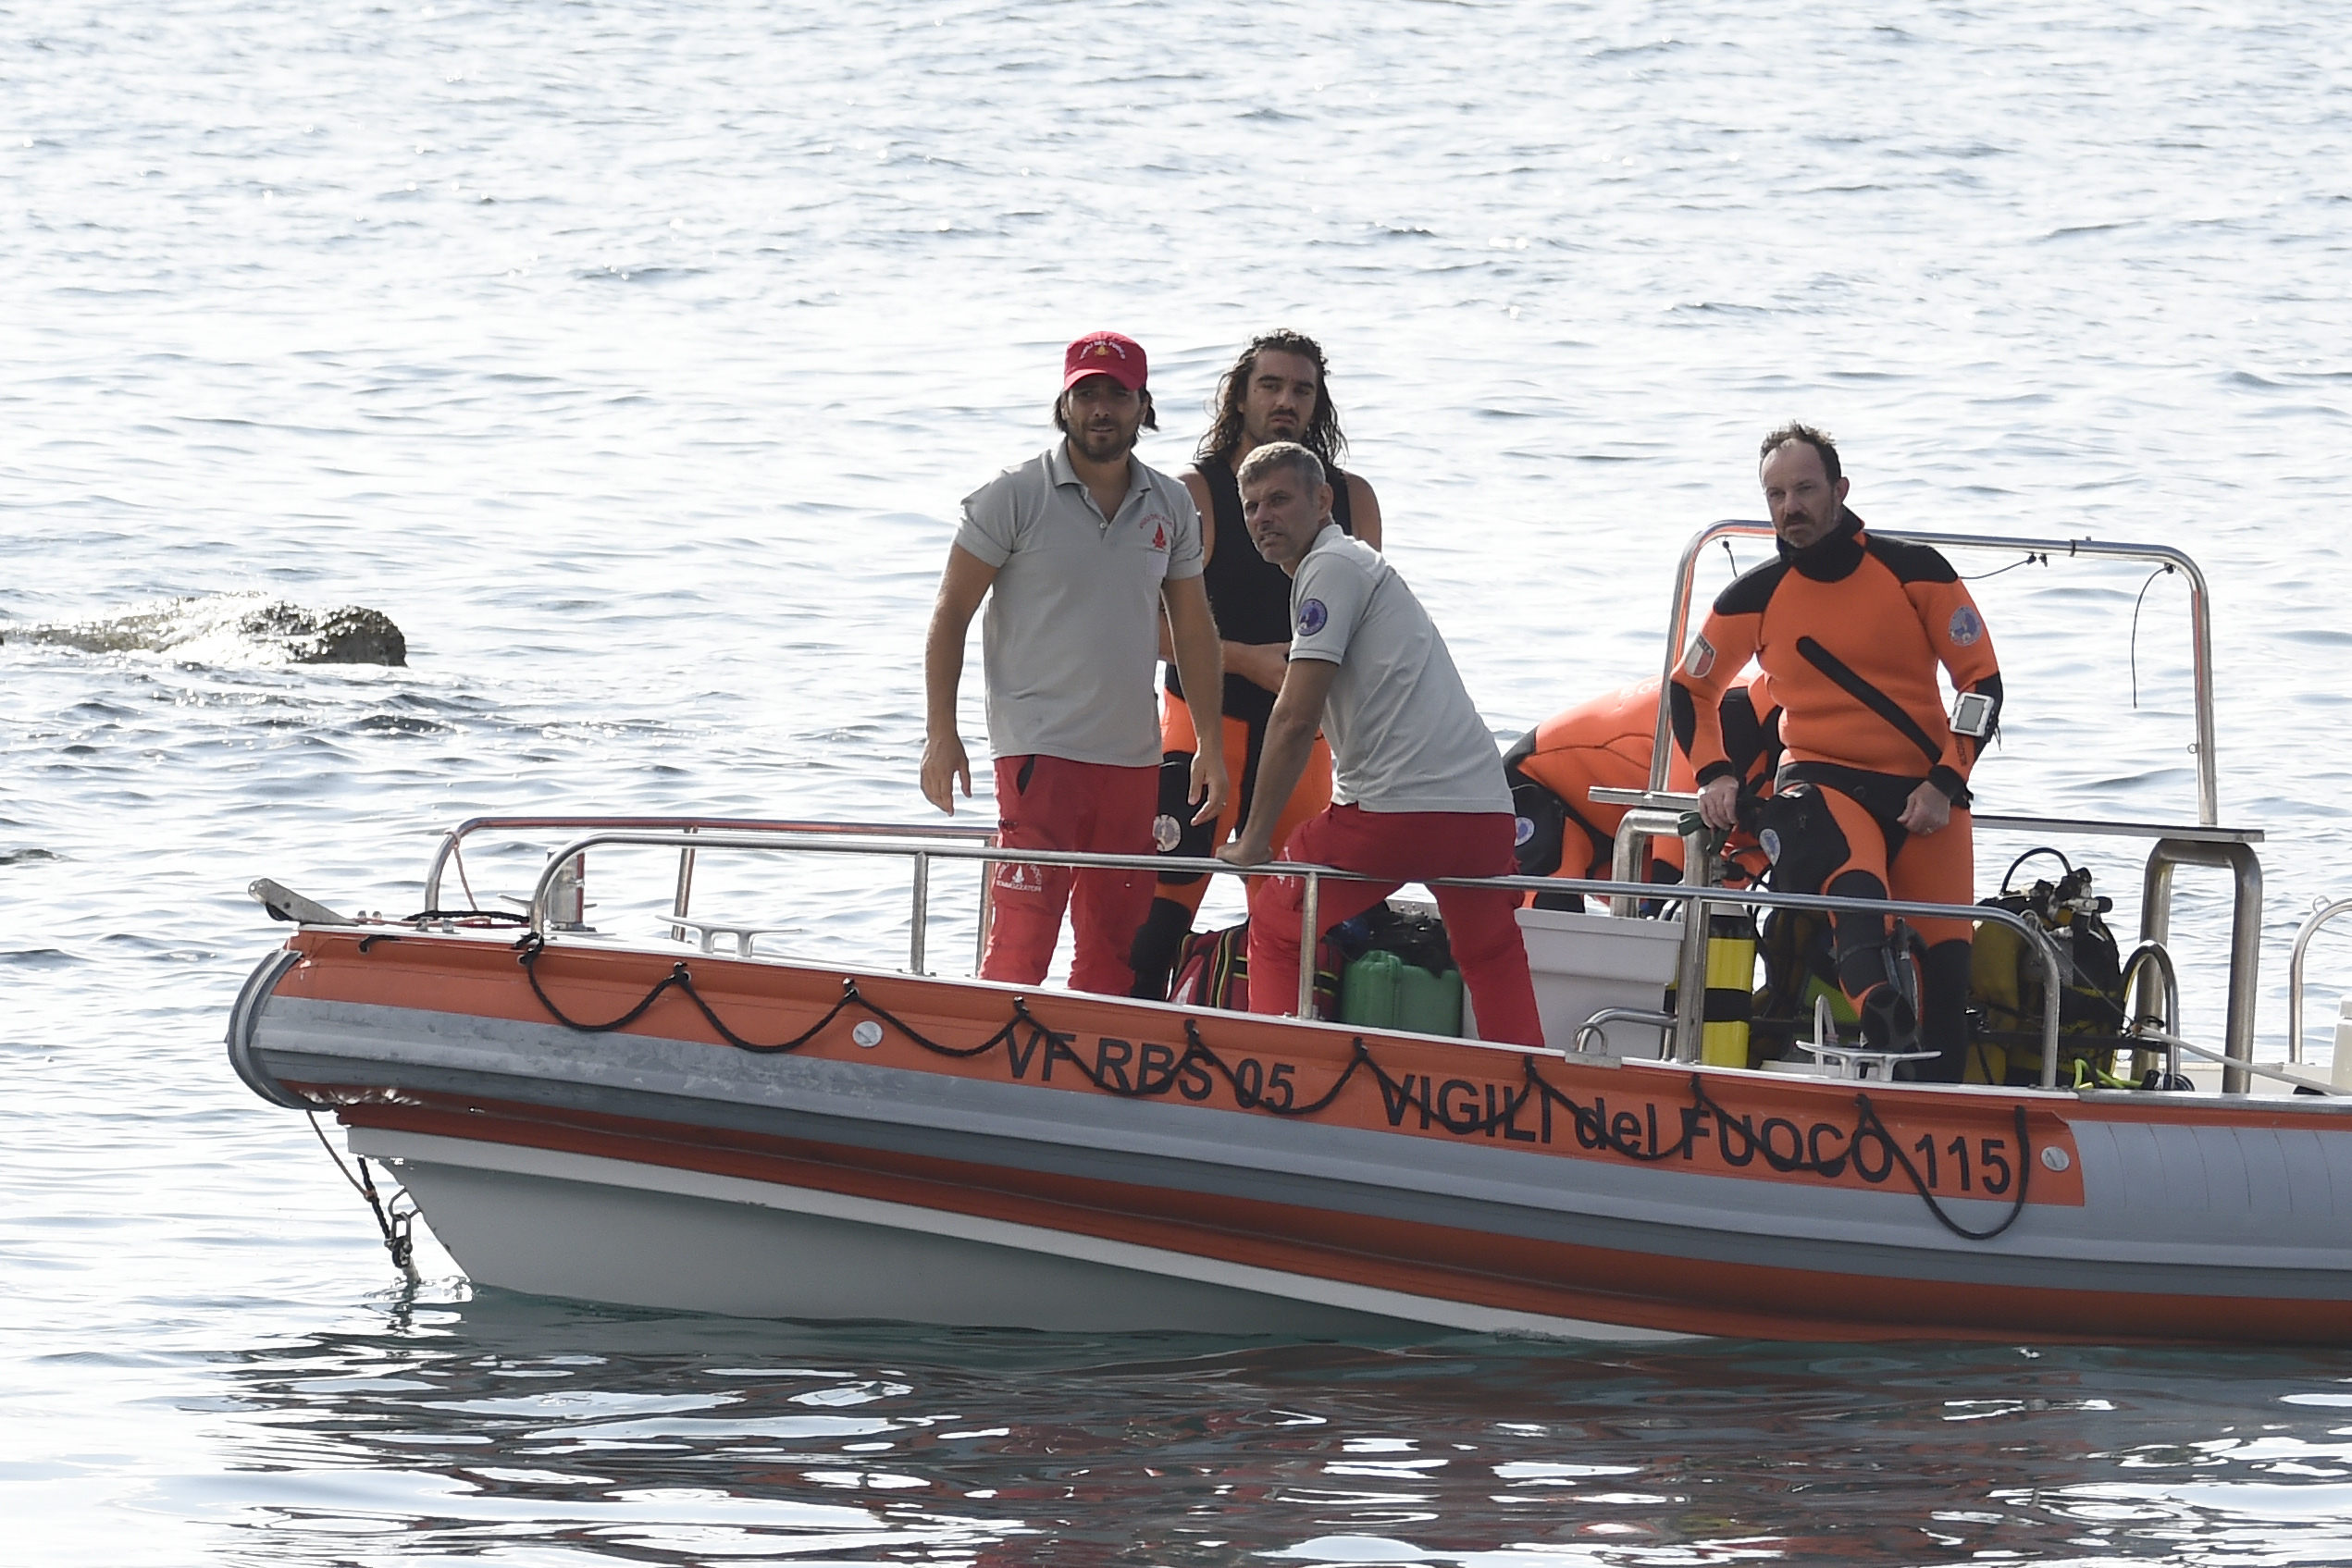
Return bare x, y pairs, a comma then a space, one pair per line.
1606, 743
1850, 631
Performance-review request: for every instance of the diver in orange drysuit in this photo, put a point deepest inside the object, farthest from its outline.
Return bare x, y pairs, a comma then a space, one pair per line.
1873, 800
1605, 742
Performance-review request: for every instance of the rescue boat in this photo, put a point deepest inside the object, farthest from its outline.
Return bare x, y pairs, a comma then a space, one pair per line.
684, 1120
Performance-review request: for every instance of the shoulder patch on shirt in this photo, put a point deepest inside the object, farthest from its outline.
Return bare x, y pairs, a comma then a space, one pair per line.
1312, 617
1966, 627
1700, 660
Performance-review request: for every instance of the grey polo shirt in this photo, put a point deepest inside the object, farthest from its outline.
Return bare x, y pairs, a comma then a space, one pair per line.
1071, 638
1405, 734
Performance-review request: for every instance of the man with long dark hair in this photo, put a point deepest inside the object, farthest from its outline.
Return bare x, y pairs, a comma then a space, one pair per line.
1275, 391
1084, 548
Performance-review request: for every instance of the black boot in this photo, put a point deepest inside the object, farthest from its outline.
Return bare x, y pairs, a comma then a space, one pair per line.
1943, 1012
1889, 1023
1156, 946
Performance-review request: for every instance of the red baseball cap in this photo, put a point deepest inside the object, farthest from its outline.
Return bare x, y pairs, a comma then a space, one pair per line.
1104, 353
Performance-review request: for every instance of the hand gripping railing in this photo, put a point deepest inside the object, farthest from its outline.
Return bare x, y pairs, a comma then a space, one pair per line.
1689, 998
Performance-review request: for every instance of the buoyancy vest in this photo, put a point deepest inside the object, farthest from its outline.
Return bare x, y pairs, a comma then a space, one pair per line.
1248, 594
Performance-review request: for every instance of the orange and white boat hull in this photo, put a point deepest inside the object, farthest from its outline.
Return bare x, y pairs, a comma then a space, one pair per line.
957, 1152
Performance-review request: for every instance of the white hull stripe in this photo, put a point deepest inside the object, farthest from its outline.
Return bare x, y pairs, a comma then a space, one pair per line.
595, 1171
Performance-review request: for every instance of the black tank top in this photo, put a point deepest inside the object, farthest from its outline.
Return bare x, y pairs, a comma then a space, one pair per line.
1248, 594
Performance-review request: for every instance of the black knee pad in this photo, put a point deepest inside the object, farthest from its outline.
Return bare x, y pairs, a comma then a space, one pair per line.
1860, 941
1801, 838
1174, 833
1888, 1021
1542, 825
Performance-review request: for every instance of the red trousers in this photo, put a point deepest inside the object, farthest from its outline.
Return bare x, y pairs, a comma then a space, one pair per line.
1481, 925
1053, 803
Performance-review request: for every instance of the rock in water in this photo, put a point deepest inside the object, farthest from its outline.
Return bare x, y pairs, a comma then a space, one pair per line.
353, 634
232, 629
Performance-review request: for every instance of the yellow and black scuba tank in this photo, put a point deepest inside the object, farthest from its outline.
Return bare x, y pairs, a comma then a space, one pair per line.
2005, 985
1731, 970
1727, 1037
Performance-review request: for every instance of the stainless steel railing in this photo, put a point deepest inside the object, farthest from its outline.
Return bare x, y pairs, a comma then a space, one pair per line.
2200, 624
2206, 844
1658, 813
453, 842
2319, 916
922, 849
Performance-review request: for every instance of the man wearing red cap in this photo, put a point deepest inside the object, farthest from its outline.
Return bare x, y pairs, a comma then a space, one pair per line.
1083, 546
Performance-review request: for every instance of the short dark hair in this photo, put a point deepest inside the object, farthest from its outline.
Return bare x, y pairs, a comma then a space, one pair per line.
1151, 414
1263, 460
1818, 439
1321, 435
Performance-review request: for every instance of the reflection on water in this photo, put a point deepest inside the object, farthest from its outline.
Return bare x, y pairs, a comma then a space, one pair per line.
455, 1427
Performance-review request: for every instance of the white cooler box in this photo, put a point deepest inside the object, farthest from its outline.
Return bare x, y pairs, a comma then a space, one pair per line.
1583, 963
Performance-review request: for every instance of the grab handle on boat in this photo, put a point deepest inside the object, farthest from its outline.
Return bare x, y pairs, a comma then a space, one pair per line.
1661, 815
2246, 934
1308, 943
2151, 955
1596, 1027
2321, 915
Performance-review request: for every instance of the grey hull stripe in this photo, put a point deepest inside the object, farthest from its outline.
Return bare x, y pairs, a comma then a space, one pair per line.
1593, 1202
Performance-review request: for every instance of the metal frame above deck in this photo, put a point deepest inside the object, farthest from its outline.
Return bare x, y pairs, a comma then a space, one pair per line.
2203, 834
2200, 624
2206, 843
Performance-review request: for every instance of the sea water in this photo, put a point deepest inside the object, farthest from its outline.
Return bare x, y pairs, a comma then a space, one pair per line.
632, 357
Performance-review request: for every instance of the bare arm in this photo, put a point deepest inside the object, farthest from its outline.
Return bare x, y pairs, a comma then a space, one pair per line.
961, 587
1260, 663
1206, 504
1364, 510
1290, 737
1193, 631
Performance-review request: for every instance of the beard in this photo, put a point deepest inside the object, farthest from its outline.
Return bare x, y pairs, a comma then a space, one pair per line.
1277, 427
1102, 446
1813, 529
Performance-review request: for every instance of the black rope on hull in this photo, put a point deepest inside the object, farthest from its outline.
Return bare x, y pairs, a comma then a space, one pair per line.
1593, 1127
